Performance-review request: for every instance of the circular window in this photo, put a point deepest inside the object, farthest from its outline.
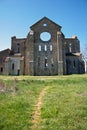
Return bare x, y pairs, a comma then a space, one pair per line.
45, 36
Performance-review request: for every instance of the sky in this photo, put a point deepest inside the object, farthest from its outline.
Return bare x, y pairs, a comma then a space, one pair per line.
16, 16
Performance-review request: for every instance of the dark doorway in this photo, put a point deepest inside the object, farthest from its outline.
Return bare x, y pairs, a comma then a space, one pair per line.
1, 70
18, 72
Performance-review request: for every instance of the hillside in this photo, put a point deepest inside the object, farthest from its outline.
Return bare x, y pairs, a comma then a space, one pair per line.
43, 103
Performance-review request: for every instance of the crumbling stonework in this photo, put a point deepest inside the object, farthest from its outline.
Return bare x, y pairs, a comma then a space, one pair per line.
3, 54
45, 51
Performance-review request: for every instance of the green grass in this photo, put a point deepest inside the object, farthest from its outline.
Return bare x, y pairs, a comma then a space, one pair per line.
64, 104
16, 107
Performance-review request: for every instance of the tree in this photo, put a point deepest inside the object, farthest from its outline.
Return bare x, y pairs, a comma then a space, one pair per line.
84, 56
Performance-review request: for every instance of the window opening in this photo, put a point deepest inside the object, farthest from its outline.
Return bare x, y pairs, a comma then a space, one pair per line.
44, 24
70, 49
39, 47
45, 36
18, 46
51, 47
46, 62
52, 62
45, 47
13, 66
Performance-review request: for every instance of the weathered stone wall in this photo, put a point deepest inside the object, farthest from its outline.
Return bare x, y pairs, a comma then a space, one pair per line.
29, 55
18, 45
72, 45
46, 59
52, 54
3, 55
14, 65
74, 65
40, 60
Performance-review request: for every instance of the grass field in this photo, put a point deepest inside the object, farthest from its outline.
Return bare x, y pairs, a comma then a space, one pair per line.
62, 102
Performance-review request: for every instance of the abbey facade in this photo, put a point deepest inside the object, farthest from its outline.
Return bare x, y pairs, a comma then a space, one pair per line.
45, 51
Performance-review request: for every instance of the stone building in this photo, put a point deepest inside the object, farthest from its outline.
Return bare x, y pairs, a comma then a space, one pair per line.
45, 51
3, 54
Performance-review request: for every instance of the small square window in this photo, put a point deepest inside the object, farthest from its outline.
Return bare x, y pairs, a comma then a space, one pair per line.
18, 44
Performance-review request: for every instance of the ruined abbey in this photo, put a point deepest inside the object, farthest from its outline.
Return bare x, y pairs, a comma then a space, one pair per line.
45, 51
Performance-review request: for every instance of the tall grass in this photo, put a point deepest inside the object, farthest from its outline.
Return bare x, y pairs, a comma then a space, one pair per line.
64, 105
16, 106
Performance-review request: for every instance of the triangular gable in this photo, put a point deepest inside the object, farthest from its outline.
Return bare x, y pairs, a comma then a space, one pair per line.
45, 19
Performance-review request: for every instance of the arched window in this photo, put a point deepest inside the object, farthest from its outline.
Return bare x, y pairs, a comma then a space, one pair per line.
39, 47
45, 48
51, 47
52, 62
18, 47
70, 47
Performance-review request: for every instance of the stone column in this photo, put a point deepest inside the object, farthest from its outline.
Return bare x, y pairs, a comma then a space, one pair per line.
29, 54
60, 53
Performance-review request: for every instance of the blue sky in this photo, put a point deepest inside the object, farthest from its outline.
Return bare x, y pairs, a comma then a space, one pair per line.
16, 16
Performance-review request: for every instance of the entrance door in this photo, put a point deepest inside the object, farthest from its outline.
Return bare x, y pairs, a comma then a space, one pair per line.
18, 72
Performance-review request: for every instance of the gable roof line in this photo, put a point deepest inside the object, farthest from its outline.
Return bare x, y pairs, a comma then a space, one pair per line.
7, 49
47, 19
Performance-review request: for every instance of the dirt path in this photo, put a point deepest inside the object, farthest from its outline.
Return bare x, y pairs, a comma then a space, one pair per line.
37, 113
